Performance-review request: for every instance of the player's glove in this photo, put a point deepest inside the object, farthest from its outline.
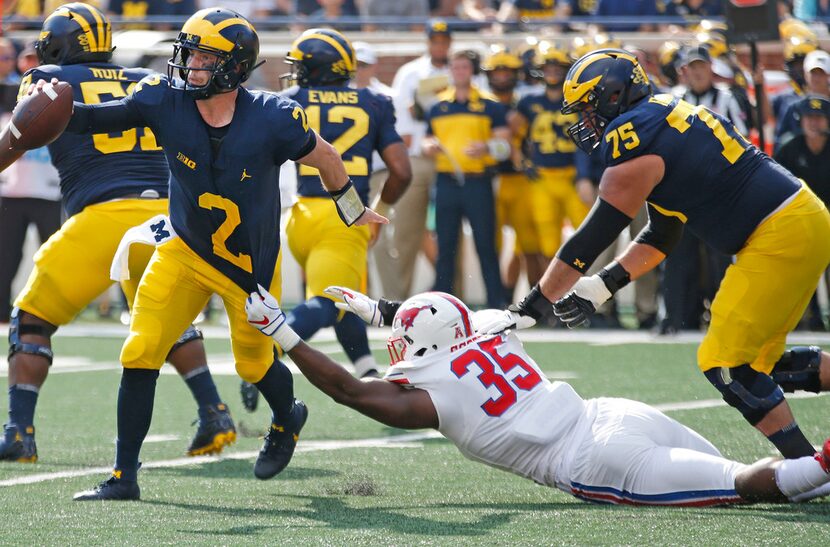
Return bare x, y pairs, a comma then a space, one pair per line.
577, 306
495, 322
264, 314
374, 312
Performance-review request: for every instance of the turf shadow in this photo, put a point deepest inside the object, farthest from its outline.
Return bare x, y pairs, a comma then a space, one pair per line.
243, 469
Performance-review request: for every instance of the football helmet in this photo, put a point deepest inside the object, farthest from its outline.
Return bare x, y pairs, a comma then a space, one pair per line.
227, 36
600, 86
321, 56
500, 58
75, 33
548, 53
668, 56
428, 323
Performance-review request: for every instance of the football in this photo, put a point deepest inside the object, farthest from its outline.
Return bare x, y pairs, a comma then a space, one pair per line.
41, 117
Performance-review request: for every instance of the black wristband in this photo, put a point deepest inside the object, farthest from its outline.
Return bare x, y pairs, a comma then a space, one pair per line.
615, 277
536, 304
388, 309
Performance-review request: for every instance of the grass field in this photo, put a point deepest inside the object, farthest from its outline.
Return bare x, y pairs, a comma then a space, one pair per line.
356, 482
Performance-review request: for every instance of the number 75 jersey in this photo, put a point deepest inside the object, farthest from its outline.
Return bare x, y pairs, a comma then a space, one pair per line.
102, 166
496, 406
715, 182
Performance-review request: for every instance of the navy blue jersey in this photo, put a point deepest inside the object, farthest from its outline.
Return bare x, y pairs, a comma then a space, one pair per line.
547, 131
721, 186
226, 207
356, 122
104, 166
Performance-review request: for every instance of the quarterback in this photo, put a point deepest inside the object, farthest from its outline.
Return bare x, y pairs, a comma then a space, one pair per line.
110, 182
486, 395
224, 145
695, 171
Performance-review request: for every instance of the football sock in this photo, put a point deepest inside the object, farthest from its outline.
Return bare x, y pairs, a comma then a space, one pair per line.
791, 442
351, 333
22, 402
277, 387
800, 475
311, 316
204, 391
135, 411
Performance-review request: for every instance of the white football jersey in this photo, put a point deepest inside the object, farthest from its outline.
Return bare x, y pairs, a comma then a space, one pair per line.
496, 406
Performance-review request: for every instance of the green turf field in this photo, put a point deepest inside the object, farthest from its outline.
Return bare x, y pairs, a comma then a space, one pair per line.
371, 492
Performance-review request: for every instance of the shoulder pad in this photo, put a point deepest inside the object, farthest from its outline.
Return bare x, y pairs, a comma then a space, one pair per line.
632, 133
151, 89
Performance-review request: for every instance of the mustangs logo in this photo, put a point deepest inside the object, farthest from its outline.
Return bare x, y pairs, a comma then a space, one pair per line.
407, 316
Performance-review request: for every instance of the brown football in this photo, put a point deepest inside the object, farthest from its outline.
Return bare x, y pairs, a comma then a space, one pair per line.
41, 117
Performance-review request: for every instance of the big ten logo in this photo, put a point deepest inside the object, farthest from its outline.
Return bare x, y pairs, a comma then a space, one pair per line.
185, 160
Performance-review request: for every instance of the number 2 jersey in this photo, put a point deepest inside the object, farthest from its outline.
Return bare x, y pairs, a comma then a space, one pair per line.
496, 406
717, 183
225, 205
356, 122
103, 166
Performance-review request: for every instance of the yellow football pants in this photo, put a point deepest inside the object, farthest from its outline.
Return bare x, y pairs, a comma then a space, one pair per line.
555, 199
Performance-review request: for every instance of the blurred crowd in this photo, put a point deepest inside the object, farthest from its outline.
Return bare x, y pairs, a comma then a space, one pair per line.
521, 199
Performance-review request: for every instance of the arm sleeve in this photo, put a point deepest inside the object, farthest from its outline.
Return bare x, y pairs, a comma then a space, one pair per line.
387, 134
662, 231
109, 117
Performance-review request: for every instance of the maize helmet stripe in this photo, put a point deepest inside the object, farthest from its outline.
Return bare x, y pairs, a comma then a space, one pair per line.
208, 34
341, 48
99, 26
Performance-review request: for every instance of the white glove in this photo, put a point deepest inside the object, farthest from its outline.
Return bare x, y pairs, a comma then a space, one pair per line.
496, 321
357, 303
265, 315
592, 288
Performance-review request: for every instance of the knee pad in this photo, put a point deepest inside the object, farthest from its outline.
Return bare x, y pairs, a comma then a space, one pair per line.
192, 333
798, 368
753, 393
18, 329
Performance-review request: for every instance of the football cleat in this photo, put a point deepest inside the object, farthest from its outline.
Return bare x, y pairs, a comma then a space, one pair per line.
216, 431
250, 395
18, 447
280, 444
111, 489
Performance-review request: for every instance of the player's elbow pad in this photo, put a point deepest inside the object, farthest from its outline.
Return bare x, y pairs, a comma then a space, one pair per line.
662, 233
599, 230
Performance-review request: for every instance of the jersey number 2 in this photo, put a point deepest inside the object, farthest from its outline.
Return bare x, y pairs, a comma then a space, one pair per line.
220, 236
486, 359
357, 166
126, 141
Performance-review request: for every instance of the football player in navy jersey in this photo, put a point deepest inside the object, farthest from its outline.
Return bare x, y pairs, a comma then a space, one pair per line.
224, 145
110, 182
356, 122
695, 170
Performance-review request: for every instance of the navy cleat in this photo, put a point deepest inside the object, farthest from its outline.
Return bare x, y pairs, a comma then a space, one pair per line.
250, 395
216, 431
18, 447
113, 488
280, 444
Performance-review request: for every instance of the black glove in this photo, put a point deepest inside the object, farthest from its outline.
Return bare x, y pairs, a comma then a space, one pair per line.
573, 310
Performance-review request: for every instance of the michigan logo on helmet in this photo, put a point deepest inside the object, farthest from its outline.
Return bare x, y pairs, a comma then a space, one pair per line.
74, 33
228, 39
600, 86
428, 323
321, 56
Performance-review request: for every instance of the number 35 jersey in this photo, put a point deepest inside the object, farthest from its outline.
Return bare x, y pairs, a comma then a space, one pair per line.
102, 166
356, 122
717, 183
496, 406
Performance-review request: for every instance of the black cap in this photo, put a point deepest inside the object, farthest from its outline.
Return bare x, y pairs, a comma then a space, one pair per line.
696, 53
815, 105
437, 26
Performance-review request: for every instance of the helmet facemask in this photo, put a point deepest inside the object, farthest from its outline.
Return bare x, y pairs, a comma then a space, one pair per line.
587, 132
224, 74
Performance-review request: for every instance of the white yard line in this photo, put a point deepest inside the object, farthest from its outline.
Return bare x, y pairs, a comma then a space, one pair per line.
408, 440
